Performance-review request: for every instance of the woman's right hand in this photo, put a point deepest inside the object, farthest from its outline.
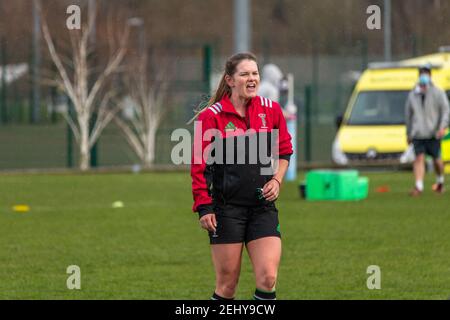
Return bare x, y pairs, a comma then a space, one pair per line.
209, 222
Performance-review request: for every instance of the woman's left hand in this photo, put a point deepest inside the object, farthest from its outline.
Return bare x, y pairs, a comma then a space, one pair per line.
271, 190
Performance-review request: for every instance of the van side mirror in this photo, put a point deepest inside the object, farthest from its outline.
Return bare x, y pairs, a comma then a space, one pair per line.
339, 120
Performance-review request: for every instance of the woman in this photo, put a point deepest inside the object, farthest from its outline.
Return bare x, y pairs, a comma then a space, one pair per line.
235, 200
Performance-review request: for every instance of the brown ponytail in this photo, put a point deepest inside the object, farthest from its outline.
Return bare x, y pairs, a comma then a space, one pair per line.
223, 88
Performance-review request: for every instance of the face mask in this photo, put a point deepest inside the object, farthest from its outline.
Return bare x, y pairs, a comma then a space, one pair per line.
424, 79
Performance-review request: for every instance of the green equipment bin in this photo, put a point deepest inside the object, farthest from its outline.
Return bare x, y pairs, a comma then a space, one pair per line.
343, 185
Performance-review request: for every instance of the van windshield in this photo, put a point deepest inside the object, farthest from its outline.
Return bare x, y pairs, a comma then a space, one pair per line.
379, 108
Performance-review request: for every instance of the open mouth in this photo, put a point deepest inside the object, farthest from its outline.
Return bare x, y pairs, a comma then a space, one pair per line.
251, 86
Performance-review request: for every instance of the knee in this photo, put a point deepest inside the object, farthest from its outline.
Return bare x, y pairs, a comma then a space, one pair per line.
267, 280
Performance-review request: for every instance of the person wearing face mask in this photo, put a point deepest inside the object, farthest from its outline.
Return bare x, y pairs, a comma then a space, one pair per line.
235, 200
427, 117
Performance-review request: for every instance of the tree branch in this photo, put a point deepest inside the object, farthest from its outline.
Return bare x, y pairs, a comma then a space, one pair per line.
111, 66
72, 126
131, 138
54, 55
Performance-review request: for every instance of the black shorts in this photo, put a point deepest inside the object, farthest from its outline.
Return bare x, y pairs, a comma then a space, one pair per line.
238, 224
431, 147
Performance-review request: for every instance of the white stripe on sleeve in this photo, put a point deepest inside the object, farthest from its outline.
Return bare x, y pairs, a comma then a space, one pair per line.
215, 107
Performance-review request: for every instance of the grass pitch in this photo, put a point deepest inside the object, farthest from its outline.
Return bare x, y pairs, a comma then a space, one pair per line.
153, 247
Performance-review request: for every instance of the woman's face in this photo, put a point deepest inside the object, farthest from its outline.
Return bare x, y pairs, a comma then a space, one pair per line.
245, 81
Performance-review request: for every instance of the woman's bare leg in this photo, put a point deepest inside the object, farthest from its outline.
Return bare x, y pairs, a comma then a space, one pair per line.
265, 254
227, 263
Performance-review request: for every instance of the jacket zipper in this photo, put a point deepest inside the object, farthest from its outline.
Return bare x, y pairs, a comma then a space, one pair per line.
247, 124
224, 185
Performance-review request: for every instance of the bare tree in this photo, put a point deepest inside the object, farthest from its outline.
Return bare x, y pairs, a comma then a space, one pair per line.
88, 91
147, 94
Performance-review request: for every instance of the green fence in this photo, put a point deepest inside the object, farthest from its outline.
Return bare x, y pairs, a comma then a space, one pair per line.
323, 85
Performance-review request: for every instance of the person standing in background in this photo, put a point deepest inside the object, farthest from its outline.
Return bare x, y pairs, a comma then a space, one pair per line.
426, 116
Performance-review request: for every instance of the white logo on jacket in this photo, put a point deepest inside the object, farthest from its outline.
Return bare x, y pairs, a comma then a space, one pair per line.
263, 120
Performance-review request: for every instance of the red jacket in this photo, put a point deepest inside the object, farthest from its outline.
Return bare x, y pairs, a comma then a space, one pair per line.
262, 115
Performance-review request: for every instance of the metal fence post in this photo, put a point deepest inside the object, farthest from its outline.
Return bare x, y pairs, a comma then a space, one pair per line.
207, 67
94, 149
3, 105
308, 123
